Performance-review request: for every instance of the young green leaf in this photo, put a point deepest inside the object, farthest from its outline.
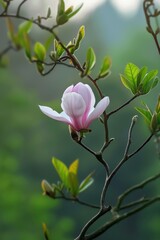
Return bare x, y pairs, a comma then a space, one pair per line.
127, 83
158, 105
40, 51
105, 68
48, 42
3, 3
73, 13
58, 49
49, 12
73, 184
61, 7
141, 75
80, 36
90, 61
12, 35
154, 123
145, 113
131, 72
73, 178
74, 167
45, 231
27, 46
24, 27
62, 19
87, 182
62, 170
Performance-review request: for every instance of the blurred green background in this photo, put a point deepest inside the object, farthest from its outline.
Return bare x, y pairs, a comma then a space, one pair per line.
29, 139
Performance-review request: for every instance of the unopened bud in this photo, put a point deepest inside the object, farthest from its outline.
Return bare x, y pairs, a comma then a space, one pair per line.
154, 122
47, 189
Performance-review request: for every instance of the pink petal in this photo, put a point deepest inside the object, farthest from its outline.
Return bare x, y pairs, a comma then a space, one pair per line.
87, 94
99, 109
68, 90
73, 104
62, 117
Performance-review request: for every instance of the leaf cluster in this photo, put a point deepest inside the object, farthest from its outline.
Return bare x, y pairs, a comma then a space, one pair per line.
63, 15
68, 180
139, 81
152, 118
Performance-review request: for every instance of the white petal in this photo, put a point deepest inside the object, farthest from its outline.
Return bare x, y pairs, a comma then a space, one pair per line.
62, 117
73, 104
99, 109
87, 94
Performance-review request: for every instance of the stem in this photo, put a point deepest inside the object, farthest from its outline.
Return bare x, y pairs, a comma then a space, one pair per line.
135, 187
7, 49
120, 218
136, 151
77, 200
92, 220
146, 7
125, 104
19, 7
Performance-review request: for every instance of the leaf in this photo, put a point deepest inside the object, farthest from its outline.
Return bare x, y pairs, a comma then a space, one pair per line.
3, 3
45, 231
158, 105
141, 75
80, 36
62, 170
154, 123
69, 10
128, 84
90, 61
72, 178
48, 42
27, 46
150, 84
105, 68
39, 51
131, 72
61, 7
40, 67
74, 167
25, 27
75, 12
49, 12
62, 19
87, 182
58, 49
73, 184
11, 33
145, 113
149, 76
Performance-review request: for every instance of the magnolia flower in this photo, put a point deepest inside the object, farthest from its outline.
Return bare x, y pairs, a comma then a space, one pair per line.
78, 107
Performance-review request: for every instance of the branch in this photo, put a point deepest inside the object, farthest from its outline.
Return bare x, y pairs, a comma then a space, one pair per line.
135, 187
148, 15
124, 105
119, 218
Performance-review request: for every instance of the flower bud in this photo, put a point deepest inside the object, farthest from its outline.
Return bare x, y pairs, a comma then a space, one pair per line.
47, 189
154, 123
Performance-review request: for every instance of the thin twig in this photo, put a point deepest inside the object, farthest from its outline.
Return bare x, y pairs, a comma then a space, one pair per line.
146, 8
19, 7
135, 187
122, 106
